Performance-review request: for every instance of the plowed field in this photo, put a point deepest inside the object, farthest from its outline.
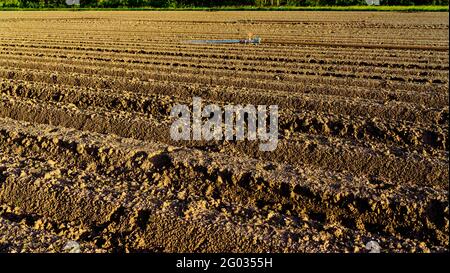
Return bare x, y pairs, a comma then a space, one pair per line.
86, 152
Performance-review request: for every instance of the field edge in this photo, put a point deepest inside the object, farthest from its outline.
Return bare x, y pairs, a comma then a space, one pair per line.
250, 8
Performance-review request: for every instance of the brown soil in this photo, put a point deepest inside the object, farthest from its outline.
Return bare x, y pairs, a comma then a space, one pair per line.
86, 155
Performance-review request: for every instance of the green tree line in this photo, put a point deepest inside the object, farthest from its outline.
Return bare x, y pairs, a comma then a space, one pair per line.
205, 3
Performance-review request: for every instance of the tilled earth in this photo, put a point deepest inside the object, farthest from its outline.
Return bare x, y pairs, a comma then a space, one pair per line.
86, 154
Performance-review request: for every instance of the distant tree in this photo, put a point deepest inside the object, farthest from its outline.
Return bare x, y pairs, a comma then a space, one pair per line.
207, 3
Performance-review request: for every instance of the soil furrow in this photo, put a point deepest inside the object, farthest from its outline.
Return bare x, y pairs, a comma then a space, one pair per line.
286, 192
331, 153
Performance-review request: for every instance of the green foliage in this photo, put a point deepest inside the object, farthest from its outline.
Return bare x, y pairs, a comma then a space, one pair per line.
9, 3
209, 3
414, 2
